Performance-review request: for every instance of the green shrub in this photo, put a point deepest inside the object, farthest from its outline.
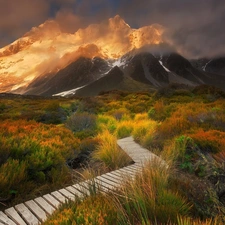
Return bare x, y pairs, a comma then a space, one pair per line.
81, 122
106, 122
12, 174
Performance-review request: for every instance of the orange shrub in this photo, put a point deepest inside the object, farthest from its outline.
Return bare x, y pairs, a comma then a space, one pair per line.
173, 126
209, 141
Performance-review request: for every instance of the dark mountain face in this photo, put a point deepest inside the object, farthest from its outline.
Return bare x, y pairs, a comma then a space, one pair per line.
79, 73
134, 71
146, 68
107, 83
182, 67
216, 66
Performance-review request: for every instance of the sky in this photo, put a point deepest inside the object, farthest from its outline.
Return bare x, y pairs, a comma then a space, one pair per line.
194, 26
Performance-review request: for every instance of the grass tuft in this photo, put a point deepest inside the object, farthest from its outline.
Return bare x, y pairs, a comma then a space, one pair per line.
109, 153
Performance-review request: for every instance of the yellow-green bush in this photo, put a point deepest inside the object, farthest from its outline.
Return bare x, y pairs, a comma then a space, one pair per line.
105, 122
34, 152
109, 153
142, 128
95, 210
124, 129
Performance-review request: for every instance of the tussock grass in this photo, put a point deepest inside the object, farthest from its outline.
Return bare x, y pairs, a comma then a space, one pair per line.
143, 131
149, 199
191, 221
124, 129
109, 153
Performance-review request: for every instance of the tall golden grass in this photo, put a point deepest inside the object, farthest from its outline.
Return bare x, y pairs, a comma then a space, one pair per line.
109, 153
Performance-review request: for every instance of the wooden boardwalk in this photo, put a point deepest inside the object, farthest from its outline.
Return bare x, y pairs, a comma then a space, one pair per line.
37, 210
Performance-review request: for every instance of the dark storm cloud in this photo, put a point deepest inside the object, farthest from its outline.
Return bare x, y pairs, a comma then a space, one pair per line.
17, 16
196, 27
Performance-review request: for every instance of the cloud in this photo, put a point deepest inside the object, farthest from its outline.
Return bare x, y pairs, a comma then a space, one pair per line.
16, 17
68, 21
194, 27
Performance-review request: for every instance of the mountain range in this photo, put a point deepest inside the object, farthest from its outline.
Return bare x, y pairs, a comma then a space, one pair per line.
102, 57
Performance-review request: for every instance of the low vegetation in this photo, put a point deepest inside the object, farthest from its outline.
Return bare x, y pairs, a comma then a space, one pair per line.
185, 127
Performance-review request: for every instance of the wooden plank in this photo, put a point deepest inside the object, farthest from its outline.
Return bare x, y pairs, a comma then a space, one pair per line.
123, 175
26, 214
132, 169
67, 194
116, 176
13, 215
105, 181
36, 210
83, 187
52, 201
138, 165
102, 186
112, 183
44, 205
5, 219
59, 196
124, 171
91, 186
115, 180
135, 166
75, 191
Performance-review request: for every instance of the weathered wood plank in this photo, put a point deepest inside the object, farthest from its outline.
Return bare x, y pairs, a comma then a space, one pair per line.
44, 205
92, 186
5, 219
118, 177
13, 215
26, 214
102, 186
122, 175
52, 201
107, 182
67, 194
84, 191
132, 169
36, 210
112, 183
59, 196
114, 180
83, 187
136, 167
124, 171
75, 191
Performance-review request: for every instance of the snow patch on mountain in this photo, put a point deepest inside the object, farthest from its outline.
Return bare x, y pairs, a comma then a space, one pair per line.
120, 62
204, 67
164, 66
69, 92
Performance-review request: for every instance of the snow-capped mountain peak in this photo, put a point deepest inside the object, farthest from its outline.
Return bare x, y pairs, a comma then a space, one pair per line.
45, 49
